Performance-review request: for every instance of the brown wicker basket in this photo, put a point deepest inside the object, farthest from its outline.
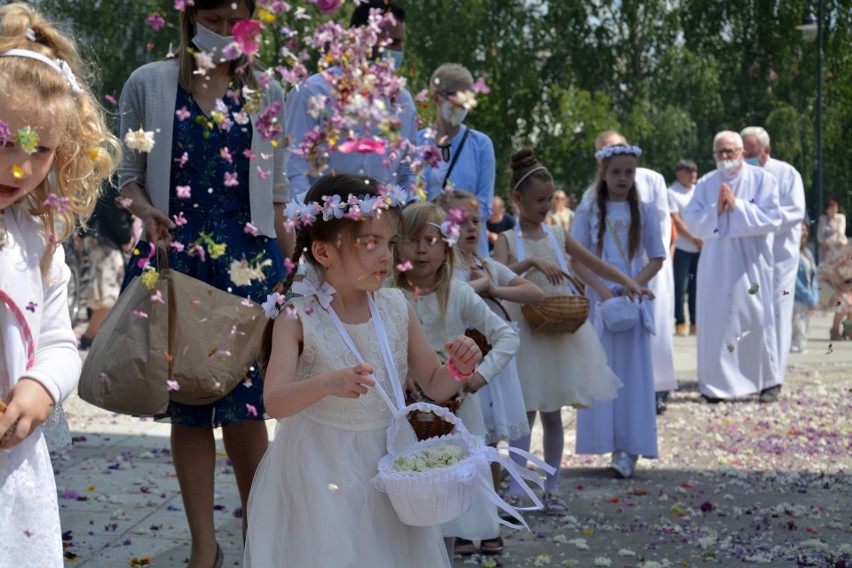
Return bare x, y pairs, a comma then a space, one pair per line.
478, 336
558, 314
428, 424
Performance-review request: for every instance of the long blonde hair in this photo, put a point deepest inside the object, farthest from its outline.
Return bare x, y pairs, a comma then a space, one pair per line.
87, 153
415, 219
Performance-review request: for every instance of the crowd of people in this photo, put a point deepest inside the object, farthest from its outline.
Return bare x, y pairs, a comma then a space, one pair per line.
372, 289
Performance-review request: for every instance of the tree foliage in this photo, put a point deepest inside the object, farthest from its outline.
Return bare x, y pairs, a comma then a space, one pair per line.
668, 73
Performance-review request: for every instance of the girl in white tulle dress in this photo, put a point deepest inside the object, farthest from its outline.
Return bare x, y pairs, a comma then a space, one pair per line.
445, 307
312, 502
556, 369
501, 399
622, 230
55, 150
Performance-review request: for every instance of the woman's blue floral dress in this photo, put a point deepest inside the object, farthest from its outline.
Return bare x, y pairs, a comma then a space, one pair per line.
203, 152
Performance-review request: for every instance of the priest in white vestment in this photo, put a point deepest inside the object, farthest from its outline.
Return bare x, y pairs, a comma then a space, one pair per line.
653, 190
736, 211
791, 196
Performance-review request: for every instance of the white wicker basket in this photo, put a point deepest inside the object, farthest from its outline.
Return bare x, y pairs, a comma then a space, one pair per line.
439, 495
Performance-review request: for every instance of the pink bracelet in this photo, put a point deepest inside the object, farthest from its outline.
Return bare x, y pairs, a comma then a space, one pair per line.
458, 375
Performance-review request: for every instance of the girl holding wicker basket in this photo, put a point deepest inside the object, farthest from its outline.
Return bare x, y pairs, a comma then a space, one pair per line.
622, 230
331, 357
501, 400
557, 369
445, 307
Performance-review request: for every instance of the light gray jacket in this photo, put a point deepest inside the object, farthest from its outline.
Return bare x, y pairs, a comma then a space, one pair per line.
148, 101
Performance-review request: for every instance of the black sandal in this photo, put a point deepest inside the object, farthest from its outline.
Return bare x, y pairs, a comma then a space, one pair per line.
491, 546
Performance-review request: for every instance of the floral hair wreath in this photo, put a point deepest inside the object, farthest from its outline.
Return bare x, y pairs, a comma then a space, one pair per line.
355, 207
610, 151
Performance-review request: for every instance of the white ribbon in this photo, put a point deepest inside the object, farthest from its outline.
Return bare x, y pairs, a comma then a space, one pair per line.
323, 294
519, 474
381, 336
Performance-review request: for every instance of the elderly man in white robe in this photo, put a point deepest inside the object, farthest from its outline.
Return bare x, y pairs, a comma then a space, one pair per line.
791, 196
652, 190
736, 211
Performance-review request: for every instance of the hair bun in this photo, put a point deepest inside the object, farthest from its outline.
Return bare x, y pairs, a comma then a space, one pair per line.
523, 159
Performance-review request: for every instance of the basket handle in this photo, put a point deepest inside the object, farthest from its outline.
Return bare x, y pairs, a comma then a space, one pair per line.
575, 284
401, 418
490, 298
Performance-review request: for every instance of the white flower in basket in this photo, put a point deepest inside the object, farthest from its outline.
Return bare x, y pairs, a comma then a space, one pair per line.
424, 492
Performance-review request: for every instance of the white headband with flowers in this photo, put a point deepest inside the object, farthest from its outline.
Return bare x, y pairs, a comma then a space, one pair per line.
610, 151
58, 65
356, 207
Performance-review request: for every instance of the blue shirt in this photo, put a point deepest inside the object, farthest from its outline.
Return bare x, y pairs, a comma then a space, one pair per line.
474, 172
297, 122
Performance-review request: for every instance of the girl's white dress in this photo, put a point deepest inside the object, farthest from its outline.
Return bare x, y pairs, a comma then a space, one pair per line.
30, 534
628, 423
558, 369
501, 400
312, 502
465, 308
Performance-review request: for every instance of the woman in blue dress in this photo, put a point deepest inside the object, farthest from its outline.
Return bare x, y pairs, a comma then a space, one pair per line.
213, 177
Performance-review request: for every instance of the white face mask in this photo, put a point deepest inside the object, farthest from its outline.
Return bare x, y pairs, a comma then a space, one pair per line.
209, 41
453, 114
728, 167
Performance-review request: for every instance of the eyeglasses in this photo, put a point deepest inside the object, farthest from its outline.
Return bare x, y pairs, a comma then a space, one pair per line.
726, 152
446, 94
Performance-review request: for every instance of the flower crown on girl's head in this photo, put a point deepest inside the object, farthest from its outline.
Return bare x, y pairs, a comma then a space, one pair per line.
451, 227
356, 207
610, 151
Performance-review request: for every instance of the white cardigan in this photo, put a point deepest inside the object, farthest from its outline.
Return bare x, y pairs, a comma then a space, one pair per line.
28, 490
57, 363
148, 101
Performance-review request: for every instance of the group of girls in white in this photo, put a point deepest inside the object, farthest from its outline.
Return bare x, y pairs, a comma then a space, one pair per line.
383, 310
386, 305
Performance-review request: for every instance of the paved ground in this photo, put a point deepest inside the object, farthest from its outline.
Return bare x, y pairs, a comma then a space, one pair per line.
737, 483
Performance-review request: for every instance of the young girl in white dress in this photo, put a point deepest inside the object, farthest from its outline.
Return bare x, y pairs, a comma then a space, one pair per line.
621, 230
55, 149
312, 502
501, 400
445, 307
556, 369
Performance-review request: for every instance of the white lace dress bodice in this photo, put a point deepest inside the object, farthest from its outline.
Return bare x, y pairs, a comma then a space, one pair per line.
324, 351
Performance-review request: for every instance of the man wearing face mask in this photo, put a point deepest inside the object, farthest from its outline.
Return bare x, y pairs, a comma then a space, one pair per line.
735, 211
467, 156
791, 196
299, 122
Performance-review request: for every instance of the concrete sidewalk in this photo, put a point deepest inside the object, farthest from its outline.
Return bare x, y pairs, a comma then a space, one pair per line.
120, 502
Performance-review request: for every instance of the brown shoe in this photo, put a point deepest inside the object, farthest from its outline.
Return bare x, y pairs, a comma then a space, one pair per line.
491, 546
682, 329
692, 329
464, 547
